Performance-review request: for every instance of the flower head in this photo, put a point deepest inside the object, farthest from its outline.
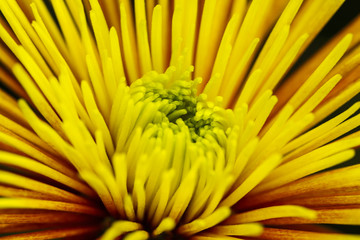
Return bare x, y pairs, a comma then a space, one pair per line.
176, 120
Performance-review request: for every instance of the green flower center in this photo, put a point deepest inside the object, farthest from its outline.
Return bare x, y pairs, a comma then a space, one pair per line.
179, 108
190, 140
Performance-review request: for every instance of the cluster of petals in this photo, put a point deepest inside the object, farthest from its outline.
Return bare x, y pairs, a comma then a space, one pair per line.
177, 119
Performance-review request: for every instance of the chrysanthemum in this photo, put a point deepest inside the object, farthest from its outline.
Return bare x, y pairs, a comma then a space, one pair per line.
176, 120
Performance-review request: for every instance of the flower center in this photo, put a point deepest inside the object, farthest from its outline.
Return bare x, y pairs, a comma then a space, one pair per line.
179, 108
178, 150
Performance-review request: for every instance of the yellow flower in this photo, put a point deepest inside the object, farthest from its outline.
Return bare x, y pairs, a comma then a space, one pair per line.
176, 120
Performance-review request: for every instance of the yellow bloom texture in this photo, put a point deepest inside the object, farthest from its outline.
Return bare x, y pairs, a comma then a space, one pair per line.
176, 119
